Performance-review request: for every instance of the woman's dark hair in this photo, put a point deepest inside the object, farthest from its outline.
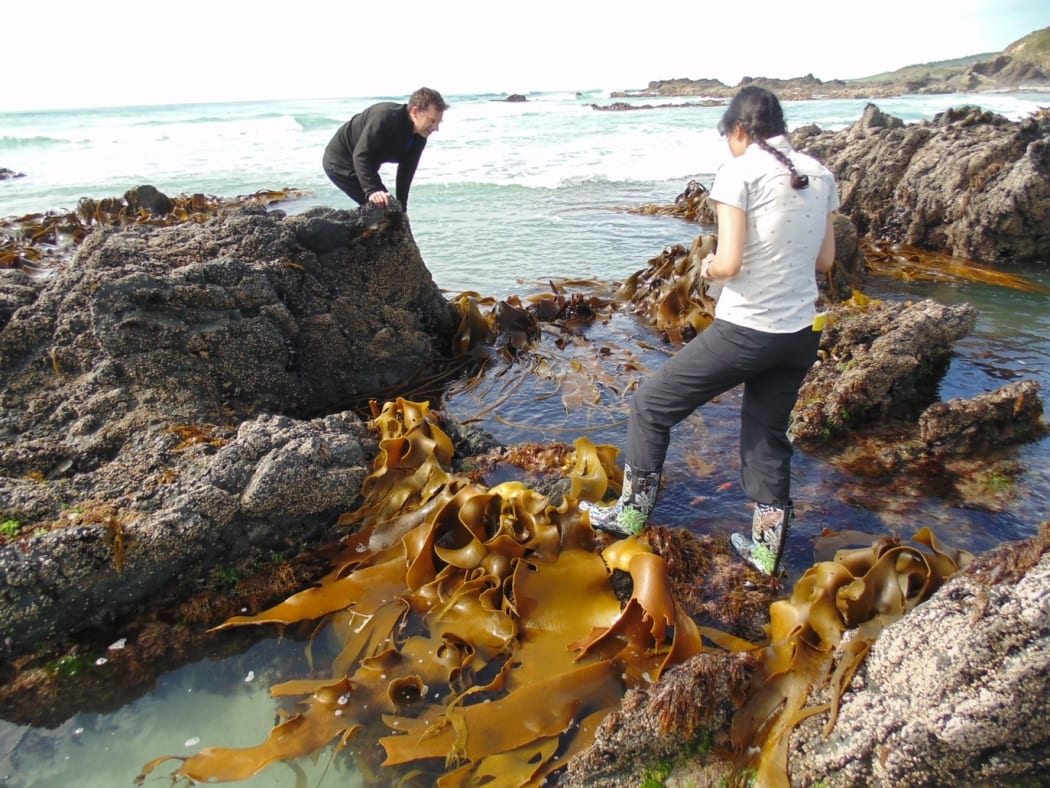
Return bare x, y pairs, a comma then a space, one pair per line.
757, 111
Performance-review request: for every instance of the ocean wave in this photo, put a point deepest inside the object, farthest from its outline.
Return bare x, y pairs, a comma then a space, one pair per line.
7, 143
190, 120
301, 120
312, 122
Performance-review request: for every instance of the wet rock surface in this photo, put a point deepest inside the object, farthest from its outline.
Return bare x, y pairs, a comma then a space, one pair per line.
969, 182
870, 403
162, 402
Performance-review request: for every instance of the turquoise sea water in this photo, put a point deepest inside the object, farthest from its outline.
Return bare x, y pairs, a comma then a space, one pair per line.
504, 190
508, 196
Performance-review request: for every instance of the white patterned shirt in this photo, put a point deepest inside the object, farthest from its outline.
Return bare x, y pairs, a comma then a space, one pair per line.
776, 288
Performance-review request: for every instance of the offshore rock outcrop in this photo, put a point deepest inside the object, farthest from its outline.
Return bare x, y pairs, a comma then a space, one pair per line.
151, 397
970, 183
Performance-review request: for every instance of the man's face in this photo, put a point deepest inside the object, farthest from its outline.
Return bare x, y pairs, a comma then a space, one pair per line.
425, 121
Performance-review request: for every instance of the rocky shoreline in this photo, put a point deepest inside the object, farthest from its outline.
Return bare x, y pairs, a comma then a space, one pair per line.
174, 404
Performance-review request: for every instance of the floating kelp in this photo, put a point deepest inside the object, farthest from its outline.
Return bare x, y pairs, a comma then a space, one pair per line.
588, 374
513, 324
692, 204
38, 241
911, 264
580, 369
459, 611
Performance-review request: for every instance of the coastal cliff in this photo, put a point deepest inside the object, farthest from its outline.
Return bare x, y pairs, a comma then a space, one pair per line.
1025, 64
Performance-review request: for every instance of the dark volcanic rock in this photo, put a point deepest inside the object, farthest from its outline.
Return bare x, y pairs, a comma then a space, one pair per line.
147, 391
1009, 415
870, 402
149, 198
884, 362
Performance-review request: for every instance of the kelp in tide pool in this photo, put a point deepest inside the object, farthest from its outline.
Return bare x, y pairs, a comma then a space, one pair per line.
479, 633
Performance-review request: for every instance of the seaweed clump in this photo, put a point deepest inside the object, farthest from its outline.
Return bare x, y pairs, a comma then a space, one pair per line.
480, 635
37, 242
670, 293
478, 631
820, 635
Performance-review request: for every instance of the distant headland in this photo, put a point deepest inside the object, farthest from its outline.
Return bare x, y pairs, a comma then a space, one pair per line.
1024, 65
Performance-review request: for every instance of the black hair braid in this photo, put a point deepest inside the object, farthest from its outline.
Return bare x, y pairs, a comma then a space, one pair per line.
757, 111
798, 180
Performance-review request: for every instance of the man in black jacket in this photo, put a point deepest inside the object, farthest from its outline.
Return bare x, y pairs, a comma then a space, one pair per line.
385, 132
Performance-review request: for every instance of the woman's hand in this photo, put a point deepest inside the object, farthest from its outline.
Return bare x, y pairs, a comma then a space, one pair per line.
705, 265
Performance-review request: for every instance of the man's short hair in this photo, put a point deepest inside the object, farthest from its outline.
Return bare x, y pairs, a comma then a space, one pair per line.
427, 97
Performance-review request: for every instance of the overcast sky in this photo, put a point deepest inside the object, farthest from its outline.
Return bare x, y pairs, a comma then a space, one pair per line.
68, 54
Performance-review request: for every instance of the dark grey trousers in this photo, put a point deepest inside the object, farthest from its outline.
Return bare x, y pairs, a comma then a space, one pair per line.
771, 367
345, 179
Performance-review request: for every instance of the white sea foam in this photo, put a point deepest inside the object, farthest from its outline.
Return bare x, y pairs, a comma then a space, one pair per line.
553, 140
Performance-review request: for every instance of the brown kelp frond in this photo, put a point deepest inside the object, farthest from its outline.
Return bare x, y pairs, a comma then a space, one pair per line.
692, 205
539, 339
670, 293
911, 264
819, 636
477, 630
36, 242
199, 435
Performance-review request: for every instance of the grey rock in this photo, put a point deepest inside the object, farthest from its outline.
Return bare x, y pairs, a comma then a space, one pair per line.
954, 693
163, 402
969, 182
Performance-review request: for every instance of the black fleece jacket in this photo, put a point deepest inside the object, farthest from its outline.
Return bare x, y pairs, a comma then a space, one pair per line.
381, 133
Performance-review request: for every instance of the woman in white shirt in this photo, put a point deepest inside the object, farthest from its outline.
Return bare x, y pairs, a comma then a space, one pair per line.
775, 233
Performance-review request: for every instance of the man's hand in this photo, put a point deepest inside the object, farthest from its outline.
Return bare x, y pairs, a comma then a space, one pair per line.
379, 198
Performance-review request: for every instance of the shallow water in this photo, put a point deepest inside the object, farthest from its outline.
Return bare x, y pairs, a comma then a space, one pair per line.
508, 197
210, 701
